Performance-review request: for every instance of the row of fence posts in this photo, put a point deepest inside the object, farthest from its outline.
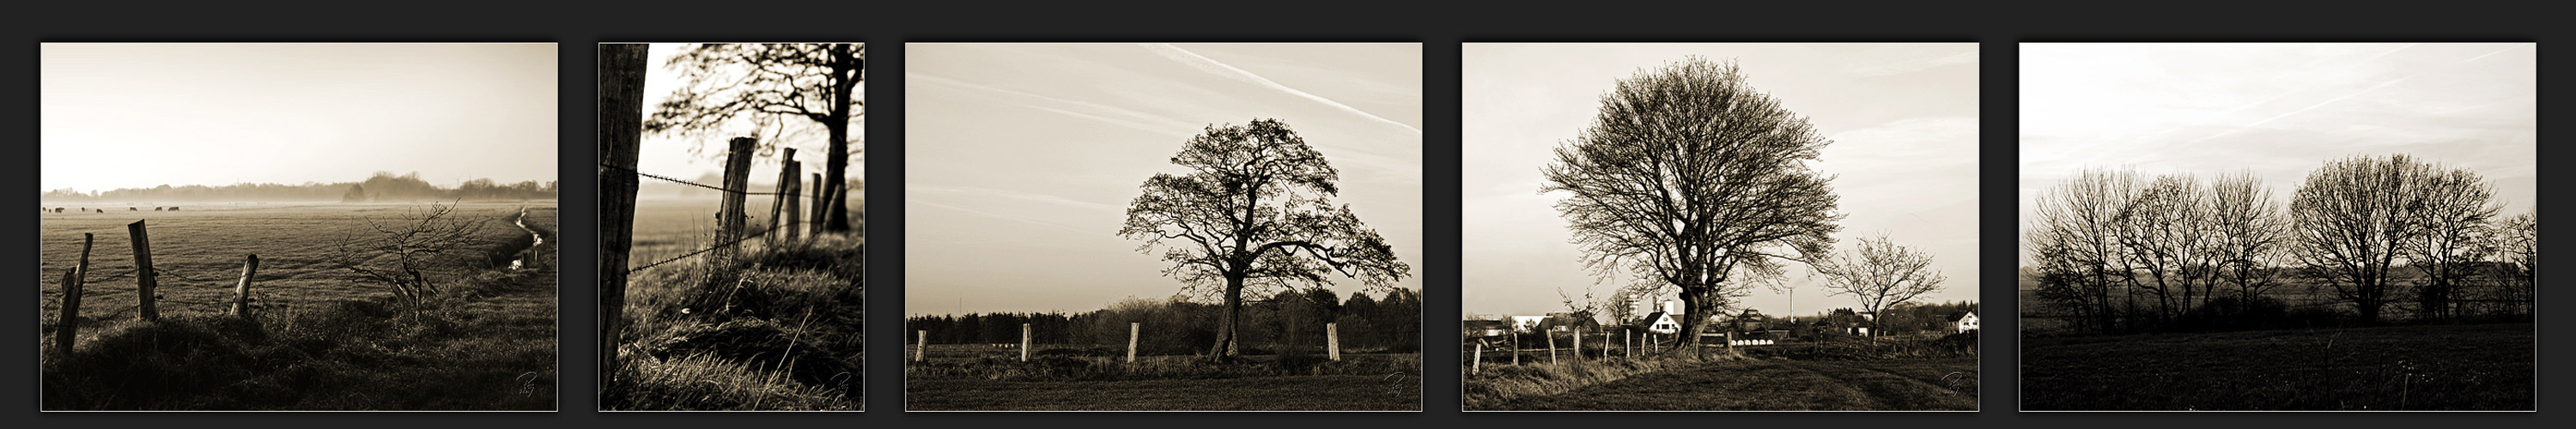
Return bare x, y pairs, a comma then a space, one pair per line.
1628, 347
921, 342
67, 330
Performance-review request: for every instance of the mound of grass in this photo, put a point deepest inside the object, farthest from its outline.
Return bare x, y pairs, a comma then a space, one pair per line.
781, 327
1500, 383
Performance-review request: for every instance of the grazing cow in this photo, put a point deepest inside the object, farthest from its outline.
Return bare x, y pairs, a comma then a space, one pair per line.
131, 209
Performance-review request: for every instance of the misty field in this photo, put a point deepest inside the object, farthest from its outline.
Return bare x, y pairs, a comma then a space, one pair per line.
968, 377
319, 338
783, 332
2428, 367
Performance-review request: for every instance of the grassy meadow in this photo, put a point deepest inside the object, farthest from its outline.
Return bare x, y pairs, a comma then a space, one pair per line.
779, 328
970, 377
1906, 375
2424, 367
318, 339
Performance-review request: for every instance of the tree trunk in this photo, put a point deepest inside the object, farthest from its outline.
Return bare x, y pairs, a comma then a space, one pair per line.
1225, 348
837, 159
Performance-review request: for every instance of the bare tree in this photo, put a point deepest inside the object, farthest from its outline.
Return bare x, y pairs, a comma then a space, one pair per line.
2166, 230
1691, 179
1879, 274
2076, 243
2353, 220
400, 254
767, 82
2454, 209
1255, 211
2248, 228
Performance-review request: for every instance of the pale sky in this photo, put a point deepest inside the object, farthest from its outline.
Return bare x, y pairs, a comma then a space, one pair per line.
139, 115
1021, 158
2279, 110
1902, 118
671, 155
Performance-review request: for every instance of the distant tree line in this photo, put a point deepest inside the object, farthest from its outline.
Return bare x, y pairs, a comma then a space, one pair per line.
2122, 252
1295, 318
383, 186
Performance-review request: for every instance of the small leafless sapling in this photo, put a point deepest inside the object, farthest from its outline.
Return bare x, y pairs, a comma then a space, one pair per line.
399, 254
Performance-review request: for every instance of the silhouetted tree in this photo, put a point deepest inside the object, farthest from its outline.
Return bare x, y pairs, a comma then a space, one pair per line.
1879, 274
1255, 211
2456, 207
767, 81
1690, 178
2353, 220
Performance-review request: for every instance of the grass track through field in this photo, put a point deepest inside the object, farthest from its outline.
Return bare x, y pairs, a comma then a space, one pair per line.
1778, 385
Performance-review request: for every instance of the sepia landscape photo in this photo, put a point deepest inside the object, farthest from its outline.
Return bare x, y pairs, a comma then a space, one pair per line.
306, 226
2281, 226
733, 219
1700, 227
1163, 227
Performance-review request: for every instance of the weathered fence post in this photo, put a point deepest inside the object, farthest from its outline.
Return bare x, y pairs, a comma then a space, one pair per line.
920, 345
1333, 340
729, 216
143, 276
241, 291
621, 131
779, 196
66, 331
1551, 345
792, 194
1477, 363
1628, 341
1132, 328
1578, 344
1024, 342
814, 221
1516, 348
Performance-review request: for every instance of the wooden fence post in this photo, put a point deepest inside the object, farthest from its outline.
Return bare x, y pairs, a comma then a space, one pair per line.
729, 216
779, 196
67, 331
1551, 345
1132, 328
1024, 342
920, 345
1516, 348
1578, 344
1477, 363
1333, 340
621, 131
814, 221
143, 276
793, 195
241, 291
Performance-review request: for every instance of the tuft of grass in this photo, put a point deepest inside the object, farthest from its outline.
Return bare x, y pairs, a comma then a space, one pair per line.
780, 328
705, 381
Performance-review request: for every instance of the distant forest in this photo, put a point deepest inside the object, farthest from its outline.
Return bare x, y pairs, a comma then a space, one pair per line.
383, 187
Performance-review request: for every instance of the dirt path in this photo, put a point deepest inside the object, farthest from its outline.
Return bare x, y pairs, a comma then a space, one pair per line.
1772, 385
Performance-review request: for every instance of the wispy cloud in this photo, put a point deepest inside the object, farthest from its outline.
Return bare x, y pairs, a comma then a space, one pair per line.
1203, 63
1115, 115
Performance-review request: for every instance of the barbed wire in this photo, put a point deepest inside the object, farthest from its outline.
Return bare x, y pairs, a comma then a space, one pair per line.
701, 185
735, 242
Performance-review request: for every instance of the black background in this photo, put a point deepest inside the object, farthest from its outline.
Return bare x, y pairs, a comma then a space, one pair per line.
1439, 26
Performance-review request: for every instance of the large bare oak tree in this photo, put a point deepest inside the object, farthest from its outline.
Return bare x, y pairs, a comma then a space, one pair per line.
1255, 211
724, 83
1691, 179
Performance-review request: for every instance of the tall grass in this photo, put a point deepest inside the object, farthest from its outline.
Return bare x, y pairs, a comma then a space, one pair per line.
1495, 384
1098, 367
779, 328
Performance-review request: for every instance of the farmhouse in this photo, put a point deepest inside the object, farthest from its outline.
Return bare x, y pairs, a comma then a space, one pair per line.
1963, 322
1527, 323
1660, 323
